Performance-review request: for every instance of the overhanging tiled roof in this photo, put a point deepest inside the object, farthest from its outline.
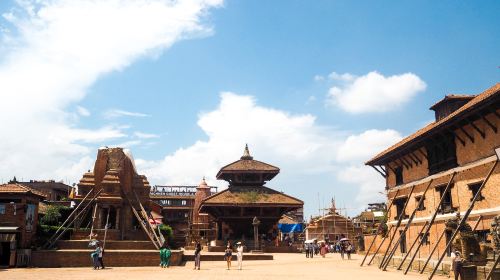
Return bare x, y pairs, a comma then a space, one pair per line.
248, 165
488, 95
250, 196
17, 188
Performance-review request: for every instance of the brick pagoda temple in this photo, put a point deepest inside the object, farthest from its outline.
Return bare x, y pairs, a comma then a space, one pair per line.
246, 197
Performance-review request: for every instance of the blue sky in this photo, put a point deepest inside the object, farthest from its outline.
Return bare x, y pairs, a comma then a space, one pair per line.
275, 57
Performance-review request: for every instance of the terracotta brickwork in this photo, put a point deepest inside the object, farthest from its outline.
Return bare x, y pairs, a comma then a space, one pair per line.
476, 135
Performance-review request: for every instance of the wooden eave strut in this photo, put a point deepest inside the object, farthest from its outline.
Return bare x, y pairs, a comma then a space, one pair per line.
464, 219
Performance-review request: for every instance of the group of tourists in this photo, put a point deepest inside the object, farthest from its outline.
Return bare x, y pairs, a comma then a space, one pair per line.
228, 255
344, 247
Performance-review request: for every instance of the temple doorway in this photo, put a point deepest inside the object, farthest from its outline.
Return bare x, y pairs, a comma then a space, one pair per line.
4, 253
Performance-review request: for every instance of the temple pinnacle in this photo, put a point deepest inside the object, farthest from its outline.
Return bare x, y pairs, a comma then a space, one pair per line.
246, 153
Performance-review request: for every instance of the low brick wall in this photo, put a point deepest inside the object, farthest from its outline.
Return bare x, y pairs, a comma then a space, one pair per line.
110, 245
112, 258
214, 257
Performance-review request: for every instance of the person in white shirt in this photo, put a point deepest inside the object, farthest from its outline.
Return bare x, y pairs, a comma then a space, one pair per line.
239, 255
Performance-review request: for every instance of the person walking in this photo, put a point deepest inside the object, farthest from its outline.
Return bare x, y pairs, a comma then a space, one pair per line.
306, 248
323, 250
197, 255
239, 255
349, 249
228, 254
100, 252
457, 264
95, 258
342, 249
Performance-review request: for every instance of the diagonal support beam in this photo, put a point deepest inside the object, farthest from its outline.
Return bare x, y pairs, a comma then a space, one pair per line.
400, 219
431, 222
408, 224
375, 237
463, 220
419, 235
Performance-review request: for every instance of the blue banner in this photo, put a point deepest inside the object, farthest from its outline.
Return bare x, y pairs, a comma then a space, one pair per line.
287, 228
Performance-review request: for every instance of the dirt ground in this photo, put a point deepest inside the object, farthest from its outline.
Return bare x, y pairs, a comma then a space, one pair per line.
284, 266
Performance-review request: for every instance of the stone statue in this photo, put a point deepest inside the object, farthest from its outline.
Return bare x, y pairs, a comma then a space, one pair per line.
465, 241
495, 233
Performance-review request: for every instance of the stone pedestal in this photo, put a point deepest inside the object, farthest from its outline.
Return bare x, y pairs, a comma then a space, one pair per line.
469, 272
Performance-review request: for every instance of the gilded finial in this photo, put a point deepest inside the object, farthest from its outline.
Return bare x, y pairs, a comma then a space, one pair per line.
246, 153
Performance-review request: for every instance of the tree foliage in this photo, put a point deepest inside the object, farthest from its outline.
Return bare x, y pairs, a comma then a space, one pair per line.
52, 216
166, 230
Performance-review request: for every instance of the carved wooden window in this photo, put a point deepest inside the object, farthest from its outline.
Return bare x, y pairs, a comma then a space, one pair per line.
400, 203
447, 203
398, 171
441, 153
474, 188
417, 201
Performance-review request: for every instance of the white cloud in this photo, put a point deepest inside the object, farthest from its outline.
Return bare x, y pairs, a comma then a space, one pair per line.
116, 113
346, 77
357, 149
373, 92
318, 78
82, 111
293, 142
313, 159
143, 135
53, 51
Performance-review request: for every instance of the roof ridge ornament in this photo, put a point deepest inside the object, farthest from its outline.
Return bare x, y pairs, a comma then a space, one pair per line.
246, 154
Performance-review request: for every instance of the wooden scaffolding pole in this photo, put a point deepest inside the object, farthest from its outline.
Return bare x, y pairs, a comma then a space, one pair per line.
408, 224
376, 234
401, 216
55, 238
381, 243
431, 222
69, 217
493, 268
105, 231
464, 219
432, 252
413, 244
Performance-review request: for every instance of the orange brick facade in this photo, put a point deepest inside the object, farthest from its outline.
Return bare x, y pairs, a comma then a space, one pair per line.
475, 141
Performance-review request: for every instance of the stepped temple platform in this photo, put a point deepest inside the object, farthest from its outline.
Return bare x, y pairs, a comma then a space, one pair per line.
126, 257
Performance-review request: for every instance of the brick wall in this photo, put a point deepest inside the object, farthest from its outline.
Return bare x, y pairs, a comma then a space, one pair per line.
19, 219
112, 258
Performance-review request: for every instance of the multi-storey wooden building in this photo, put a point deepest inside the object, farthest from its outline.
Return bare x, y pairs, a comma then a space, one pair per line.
178, 204
457, 149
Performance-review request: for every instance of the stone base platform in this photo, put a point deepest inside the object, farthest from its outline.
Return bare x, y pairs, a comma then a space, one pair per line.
418, 263
270, 249
112, 258
128, 258
209, 256
110, 245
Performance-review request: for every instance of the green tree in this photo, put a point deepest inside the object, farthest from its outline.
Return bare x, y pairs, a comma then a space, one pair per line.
52, 216
167, 231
